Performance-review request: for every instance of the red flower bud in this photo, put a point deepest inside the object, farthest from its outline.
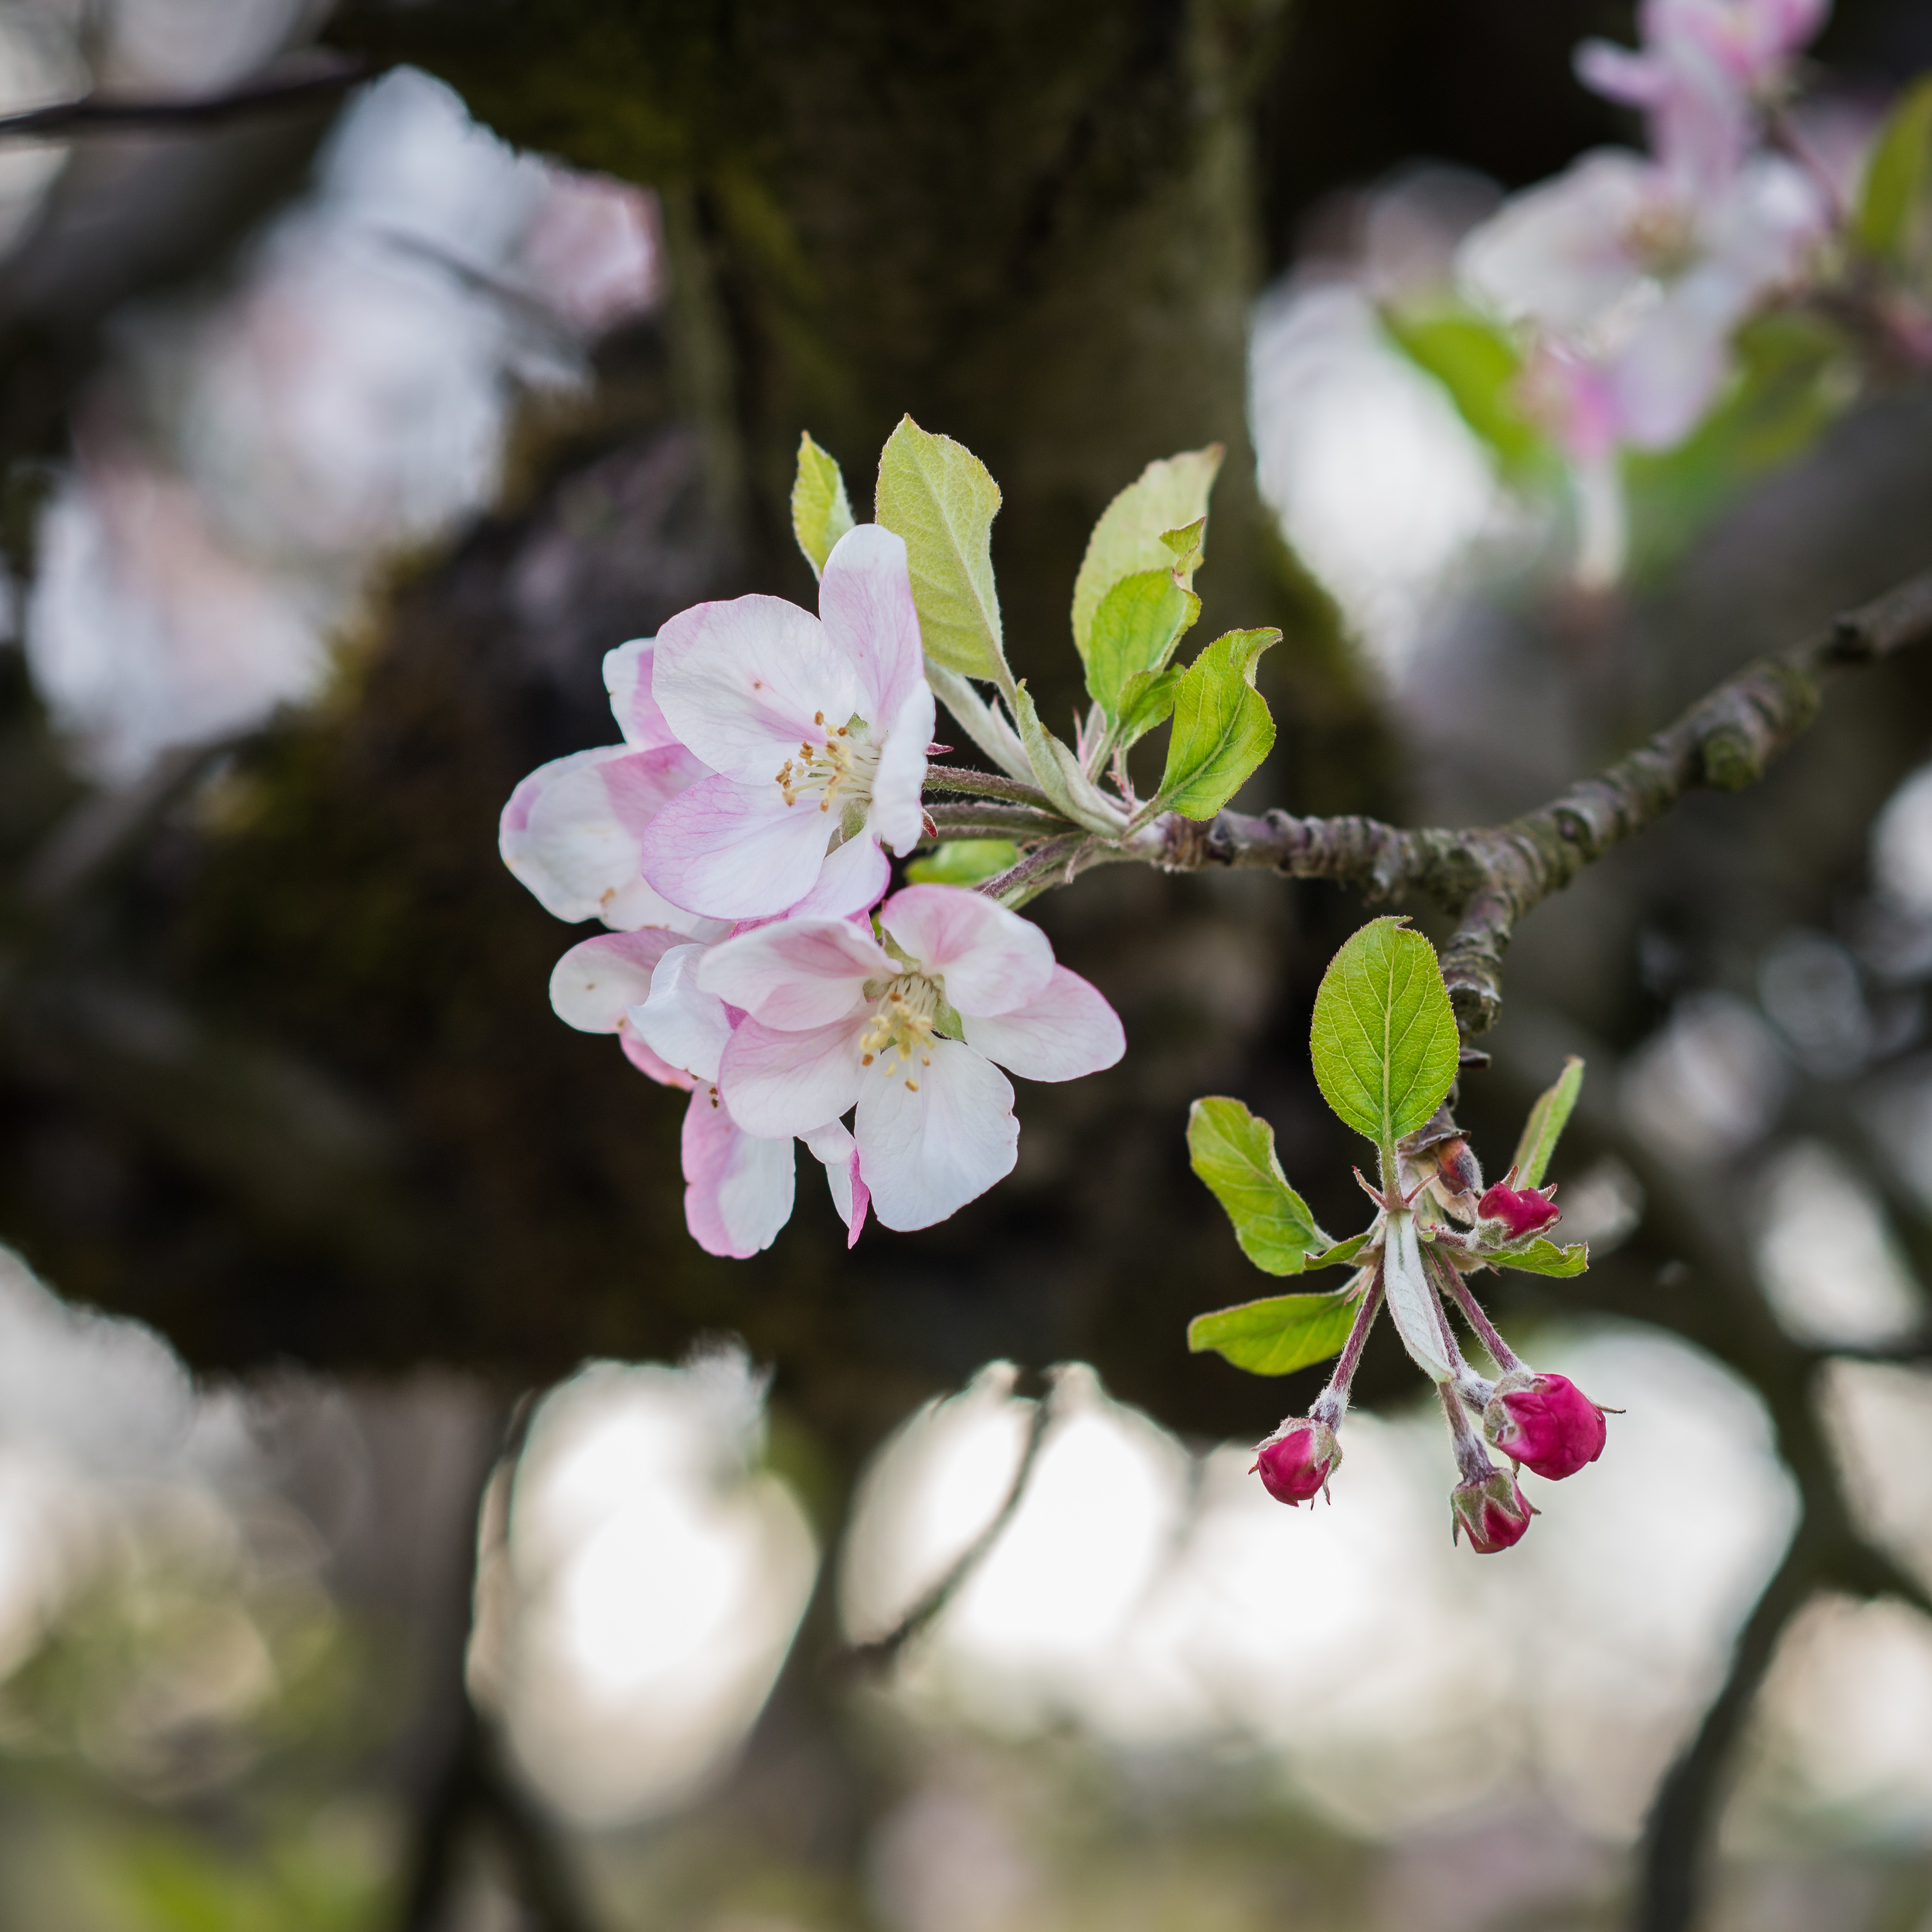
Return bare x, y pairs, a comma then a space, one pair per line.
1296, 1465
1456, 1165
1493, 1511
1546, 1422
1520, 1210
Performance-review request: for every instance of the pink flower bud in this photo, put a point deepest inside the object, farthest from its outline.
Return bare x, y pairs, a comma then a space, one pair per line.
1544, 1422
1296, 1465
1493, 1511
1520, 1210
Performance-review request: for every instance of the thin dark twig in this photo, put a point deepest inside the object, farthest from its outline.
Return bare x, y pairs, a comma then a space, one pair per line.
1684, 1809
99, 113
879, 1653
1488, 877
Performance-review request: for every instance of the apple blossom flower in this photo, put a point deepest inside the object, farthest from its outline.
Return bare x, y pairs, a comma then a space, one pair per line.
1546, 1422
909, 1036
1296, 1462
572, 830
1631, 288
816, 730
739, 1189
1491, 1509
1703, 67
1521, 1211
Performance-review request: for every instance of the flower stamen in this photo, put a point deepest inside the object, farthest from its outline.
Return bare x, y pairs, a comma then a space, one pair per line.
842, 763
904, 1022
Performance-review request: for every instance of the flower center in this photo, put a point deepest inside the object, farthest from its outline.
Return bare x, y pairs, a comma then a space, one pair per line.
1662, 237
902, 1025
840, 767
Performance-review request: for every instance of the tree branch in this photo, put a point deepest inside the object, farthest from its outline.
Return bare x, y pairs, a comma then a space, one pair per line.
879, 1653
1489, 876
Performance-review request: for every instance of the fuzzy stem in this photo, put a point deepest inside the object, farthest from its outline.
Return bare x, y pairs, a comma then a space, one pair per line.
989, 784
1472, 1458
1499, 1351
1332, 1404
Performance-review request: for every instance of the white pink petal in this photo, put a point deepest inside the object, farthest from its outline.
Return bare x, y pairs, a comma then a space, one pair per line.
1063, 1034
738, 1189
743, 683
930, 1147
992, 961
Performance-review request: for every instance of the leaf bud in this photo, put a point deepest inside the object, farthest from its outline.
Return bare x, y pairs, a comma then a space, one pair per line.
1521, 1211
1545, 1422
1492, 1508
1296, 1463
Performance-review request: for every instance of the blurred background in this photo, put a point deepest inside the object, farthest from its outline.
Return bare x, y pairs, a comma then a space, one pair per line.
402, 1522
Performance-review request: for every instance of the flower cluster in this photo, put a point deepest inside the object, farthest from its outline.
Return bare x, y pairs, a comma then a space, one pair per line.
1433, 1227
1386, 1050
737, 843
1628, 275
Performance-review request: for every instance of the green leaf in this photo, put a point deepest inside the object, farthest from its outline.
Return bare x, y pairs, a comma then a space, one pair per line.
821, 511
1168, 496
1234, 1153
937, 495
1892, 205
1279, 1335
1384, 1041
1340, 1256
1135, 630
1222, 728
1543, 1258
1058, 773
964, 862
1545, 1124
1147, 700
1189, 544
1478, 364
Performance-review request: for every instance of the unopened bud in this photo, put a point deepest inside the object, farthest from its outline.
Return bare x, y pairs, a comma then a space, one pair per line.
1296, 1465
1493, 1511
1520, 1210
1456, 1165
1544, 1422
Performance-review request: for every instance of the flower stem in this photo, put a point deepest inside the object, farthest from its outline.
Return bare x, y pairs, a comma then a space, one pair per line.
988, 784
1332, 1404
1472, 1458
1499, 1351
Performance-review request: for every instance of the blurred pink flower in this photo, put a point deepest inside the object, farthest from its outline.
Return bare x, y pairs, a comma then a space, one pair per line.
593, 250
1704, 67
1630, 289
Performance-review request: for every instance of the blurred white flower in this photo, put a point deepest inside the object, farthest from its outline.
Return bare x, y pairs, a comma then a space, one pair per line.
1832, 1270
1709, 1084
631, 1629
1380, 486
350, 397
